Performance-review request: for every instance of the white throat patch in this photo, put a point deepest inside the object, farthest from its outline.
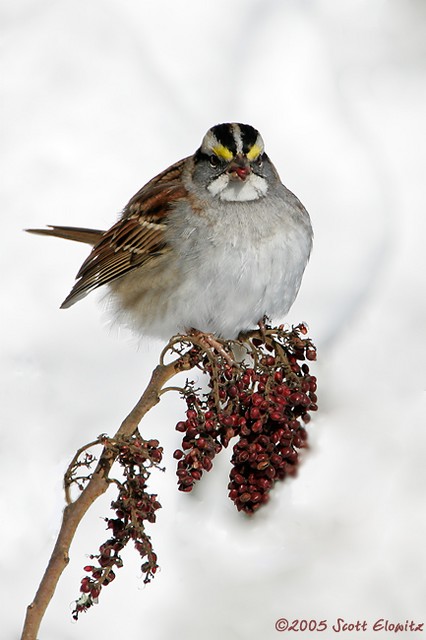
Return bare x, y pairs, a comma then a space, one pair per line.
237, 190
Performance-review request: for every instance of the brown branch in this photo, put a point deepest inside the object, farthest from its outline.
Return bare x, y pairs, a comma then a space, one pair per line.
214, 359
97, 485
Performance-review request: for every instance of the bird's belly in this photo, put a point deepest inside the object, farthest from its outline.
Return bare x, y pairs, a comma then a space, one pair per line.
219, 289
230, 290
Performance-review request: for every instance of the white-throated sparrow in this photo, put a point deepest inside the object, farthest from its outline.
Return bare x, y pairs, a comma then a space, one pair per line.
214, 243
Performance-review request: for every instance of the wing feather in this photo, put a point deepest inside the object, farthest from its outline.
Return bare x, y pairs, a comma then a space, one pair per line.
138, 237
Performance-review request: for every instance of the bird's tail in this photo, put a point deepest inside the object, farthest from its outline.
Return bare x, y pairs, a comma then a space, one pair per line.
78, 234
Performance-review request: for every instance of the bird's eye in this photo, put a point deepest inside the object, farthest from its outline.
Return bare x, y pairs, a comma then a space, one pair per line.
259, 161
214, 161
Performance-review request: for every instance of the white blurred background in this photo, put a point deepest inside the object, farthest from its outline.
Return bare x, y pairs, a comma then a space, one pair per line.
99, 96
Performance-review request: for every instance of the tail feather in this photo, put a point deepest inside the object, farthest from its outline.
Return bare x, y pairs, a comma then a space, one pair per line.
78, 234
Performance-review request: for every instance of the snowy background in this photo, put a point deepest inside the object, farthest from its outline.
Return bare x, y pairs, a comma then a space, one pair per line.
98, 97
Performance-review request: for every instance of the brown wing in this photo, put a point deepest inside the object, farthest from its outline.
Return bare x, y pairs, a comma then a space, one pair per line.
136, 238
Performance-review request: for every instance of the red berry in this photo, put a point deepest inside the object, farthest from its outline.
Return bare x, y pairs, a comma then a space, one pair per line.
207, 463
263, 464
257, 426
243, 456
264, 484
295, 398
254, 413
85, 585
186, 489
276, 460
256, 399
232, 391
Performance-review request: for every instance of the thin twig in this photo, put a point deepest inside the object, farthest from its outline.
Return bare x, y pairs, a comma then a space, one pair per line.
166, 389
68, 477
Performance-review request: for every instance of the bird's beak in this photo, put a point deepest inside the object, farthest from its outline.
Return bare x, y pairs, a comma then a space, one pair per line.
239, 168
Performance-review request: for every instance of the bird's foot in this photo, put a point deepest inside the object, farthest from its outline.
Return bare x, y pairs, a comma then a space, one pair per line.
210, 342
262, 328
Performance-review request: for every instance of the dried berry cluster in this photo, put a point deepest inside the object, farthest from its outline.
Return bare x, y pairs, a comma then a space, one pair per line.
133, 507
264, 405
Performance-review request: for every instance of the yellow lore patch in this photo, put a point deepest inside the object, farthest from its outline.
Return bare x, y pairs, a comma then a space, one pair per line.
223, 152
254, 152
